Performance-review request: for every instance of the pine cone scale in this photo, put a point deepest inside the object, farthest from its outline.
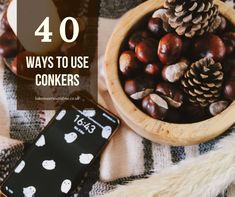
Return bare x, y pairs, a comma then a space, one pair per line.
198, 92
178, 14
193, 7
197, 20
208, 7
196, 27
179, 8
187, 18
181, 30
205, 88
201, 8
196, 82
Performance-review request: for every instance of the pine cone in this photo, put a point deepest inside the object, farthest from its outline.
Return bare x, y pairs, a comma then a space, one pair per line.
192, 17
202, 82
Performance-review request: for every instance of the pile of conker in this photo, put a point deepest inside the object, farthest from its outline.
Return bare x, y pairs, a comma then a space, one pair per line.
154, 58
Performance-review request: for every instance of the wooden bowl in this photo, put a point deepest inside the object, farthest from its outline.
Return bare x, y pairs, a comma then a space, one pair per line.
152, 129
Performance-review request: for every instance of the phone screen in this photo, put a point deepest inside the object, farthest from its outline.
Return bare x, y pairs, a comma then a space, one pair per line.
62, 153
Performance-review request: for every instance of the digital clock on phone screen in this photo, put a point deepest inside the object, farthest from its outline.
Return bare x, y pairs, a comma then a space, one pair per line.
82, 122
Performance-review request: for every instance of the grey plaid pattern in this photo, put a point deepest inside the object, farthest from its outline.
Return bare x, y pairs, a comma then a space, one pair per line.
116, 8
10, 153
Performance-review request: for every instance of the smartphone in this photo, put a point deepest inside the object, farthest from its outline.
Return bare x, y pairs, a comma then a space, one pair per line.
58, 159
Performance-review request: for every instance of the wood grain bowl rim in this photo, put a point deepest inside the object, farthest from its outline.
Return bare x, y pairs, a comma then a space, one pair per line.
152, 129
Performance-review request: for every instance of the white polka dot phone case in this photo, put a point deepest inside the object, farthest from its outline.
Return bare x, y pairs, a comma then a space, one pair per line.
60, 156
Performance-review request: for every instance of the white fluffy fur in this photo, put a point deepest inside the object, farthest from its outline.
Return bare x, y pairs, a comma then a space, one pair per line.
205, 176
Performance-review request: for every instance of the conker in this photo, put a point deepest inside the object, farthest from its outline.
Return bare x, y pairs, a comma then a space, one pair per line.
173, 116
229, 89
170, 48
131, 86
138, 88
193, 113
155, 106
128, 63
155, 25
187, 44
218, 107
161, 13
18, 66
146, 51
223, 25
171, 94
136, 38
8, 44
209, 45
229, 44
232, 73
153, 69
228, 65
229, 41
174, 72
230, 35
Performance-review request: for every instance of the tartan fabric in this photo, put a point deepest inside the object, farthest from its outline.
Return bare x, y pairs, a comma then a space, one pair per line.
10, 153
116, 8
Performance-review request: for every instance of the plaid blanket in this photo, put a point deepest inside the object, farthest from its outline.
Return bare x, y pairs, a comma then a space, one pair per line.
127, 157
